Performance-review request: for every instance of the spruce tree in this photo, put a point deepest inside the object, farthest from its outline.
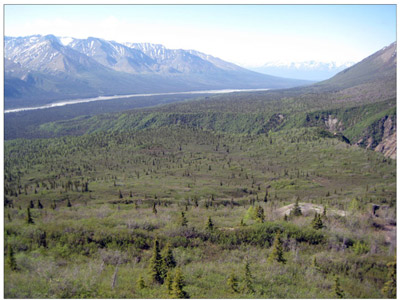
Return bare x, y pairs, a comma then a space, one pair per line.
11, 262
233, 282
168, 261
155, 266
69, 203
183, 220
277, 250
248, 279
168, 281
266, 196
317, 222
154, 208
260, 217
39, 204
177, 285
339, 293
29, 219
296, 211
31, 205
209, 225
389, 289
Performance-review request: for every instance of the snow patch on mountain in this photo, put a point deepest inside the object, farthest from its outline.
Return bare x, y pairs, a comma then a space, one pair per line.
66, 40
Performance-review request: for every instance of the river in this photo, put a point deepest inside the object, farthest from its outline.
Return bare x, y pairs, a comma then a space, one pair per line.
106, 98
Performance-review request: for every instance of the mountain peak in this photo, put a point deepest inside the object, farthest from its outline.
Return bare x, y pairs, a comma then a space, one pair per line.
70, 67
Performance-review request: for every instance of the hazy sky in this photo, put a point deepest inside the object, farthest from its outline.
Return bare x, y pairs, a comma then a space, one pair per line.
248, 35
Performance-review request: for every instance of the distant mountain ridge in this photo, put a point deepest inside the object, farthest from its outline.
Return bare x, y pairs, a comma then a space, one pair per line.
309, 70
380, 66
41, 69
357, 105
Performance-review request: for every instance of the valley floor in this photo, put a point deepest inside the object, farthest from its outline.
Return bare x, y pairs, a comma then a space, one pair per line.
82, 215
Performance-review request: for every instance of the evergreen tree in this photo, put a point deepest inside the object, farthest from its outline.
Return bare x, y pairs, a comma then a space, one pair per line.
168, 257
233, 282
29, 219
140, 284
39, 204
339, 293
31, 205
155, 266
317, 222
183, 220
389, 289
154, 208
177, 285
296, 211
277, 250
209, 225
260, 217
42, 239
248, 279
266, 196
324, 212
11, 262
120, 195
168, 281
69, 203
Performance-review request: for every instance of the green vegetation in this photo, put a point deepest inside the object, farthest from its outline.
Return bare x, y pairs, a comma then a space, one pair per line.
389, 289
277, 250
251, 195
85, 229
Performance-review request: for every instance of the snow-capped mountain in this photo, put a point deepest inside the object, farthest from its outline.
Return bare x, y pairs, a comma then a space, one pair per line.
46, 54
48, 68
114, 55
183, 61
308, 70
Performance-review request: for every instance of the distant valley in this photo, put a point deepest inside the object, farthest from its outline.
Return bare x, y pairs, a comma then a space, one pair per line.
43, 69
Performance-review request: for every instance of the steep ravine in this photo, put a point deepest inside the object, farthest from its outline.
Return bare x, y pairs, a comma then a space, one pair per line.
383, 137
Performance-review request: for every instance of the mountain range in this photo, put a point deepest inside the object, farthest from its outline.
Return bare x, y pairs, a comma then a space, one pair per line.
41, 69
358, 104
308, 70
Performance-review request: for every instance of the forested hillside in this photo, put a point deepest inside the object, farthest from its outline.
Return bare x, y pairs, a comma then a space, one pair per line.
246, 195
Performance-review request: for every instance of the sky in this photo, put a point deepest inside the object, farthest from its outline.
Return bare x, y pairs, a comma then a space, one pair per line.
248, 35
